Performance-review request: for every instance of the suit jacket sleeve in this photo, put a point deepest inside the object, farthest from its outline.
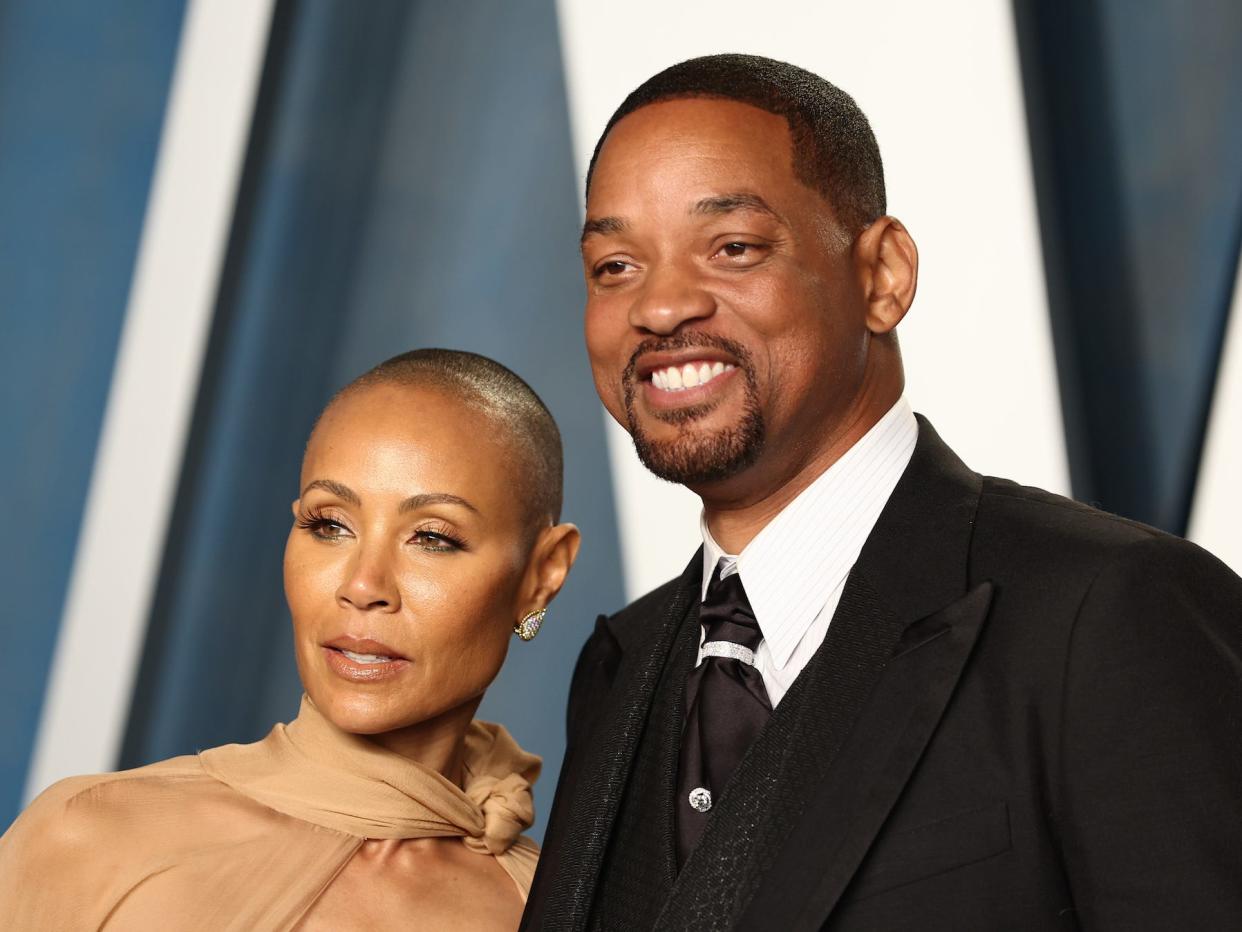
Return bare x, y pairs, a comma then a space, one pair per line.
1150, 764
588, 690
593, 676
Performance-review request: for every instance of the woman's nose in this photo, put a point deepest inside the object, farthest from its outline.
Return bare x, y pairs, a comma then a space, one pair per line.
369, 584
669, 298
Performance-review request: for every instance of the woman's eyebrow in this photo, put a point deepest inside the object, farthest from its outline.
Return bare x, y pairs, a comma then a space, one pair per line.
434, 498
339, 489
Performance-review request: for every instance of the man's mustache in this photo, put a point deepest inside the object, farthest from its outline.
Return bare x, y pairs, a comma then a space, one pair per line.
685, 341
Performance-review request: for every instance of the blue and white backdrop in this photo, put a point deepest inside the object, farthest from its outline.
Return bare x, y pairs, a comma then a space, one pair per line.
214, 212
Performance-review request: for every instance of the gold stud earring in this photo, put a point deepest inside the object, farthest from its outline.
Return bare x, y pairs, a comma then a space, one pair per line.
528, 627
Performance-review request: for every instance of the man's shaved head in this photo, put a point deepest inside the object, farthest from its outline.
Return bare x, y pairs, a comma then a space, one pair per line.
488, 387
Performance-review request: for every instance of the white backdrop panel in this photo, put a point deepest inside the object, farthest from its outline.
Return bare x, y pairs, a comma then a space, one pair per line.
151, 398
1216, 518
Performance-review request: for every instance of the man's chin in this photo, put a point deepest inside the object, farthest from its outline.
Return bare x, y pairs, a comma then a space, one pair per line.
696, 456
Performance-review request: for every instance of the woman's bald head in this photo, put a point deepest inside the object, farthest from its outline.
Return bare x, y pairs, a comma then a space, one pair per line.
485, 386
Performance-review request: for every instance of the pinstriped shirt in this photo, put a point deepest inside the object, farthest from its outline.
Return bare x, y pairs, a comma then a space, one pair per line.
795, 568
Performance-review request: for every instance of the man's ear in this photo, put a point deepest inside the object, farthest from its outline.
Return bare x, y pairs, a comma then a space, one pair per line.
553, 555
887, 263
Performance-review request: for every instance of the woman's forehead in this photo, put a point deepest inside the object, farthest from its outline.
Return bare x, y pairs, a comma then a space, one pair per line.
390, 432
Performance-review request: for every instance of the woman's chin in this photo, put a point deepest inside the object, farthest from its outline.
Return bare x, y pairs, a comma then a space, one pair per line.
362, 713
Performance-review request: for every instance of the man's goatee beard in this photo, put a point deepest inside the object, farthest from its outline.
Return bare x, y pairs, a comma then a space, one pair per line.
698, 456
695, 458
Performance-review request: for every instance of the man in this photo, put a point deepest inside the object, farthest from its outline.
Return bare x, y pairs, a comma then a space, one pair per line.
888, 693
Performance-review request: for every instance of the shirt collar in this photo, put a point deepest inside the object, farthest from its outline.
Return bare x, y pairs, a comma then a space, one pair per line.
795, 564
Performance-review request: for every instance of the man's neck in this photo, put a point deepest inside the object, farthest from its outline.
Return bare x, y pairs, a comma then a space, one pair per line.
738, 508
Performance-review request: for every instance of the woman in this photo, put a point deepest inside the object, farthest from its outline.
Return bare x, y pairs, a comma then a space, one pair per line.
426, 534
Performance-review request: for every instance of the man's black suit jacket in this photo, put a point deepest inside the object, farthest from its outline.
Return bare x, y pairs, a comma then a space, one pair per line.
1054, 742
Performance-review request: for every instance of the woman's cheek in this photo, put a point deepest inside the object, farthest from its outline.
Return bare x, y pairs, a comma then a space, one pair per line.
310, 580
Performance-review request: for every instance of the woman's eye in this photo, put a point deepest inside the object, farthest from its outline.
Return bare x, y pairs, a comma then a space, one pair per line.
434, 541
326, 528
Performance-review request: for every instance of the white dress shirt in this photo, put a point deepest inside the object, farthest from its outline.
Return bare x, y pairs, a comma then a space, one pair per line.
795, 568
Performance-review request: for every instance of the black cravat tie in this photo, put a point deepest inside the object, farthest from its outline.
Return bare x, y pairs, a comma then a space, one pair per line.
726, 706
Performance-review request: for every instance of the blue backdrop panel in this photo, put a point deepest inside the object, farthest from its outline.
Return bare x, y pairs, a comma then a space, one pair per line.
1136, 124
82, 94
410, 183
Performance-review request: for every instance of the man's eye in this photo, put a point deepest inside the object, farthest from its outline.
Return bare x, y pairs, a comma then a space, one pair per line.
611, 268
739, 250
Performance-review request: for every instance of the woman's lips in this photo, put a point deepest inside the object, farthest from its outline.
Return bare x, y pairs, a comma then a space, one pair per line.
362, 660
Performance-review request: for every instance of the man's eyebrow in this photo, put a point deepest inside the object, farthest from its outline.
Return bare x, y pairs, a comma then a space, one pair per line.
434, 498
603, 225
340, 490
742, 200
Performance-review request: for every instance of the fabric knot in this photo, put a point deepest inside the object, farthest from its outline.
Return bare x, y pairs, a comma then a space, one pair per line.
507, 808
726, 614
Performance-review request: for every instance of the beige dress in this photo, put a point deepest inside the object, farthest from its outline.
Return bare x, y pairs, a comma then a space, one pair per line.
247, 836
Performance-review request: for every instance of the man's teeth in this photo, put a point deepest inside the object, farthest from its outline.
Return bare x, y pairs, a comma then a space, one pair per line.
676, 378
365, 658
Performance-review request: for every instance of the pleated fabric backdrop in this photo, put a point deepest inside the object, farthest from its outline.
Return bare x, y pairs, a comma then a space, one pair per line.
214, 213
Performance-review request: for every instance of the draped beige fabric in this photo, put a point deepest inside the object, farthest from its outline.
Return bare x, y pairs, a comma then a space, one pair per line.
248, 836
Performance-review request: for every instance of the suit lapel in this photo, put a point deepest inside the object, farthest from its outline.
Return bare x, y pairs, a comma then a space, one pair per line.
786, 766
848, 809
593, 812
907, 601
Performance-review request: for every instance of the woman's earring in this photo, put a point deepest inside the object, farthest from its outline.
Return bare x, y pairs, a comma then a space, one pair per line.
528, 627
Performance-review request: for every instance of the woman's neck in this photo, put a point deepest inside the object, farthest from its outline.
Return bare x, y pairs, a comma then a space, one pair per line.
437, 743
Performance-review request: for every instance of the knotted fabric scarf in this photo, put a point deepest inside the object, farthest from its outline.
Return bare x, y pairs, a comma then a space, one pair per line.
313, 771
247, 837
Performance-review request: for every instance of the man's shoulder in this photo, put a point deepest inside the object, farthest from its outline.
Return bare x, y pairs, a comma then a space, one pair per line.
646, 610
1037, 518
1037, 532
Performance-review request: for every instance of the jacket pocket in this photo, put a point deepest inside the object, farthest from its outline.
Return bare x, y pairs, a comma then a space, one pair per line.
909, 854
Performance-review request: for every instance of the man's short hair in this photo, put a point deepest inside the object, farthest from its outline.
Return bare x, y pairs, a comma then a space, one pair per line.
834, 150
498, 392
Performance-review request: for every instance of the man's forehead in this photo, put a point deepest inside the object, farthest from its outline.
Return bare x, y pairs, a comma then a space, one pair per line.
712, 205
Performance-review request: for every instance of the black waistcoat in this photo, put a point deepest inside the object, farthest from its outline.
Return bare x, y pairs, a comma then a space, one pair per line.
639, 886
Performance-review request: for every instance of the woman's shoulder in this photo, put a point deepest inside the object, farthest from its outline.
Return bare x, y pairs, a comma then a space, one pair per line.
520, 861
79, 813
63, 860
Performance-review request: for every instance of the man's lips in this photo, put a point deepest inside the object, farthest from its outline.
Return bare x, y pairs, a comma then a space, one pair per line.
685, 369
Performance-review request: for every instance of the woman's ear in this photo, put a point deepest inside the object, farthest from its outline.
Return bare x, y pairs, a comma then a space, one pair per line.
553, 555
887, 262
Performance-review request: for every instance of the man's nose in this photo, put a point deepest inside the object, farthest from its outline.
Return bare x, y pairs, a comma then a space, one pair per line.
670, 297
369, 584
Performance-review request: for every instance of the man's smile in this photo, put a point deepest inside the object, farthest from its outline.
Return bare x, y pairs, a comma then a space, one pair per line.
679, 378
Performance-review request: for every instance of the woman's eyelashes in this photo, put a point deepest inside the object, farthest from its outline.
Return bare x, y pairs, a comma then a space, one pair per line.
434, 538
322, 526
437, 540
